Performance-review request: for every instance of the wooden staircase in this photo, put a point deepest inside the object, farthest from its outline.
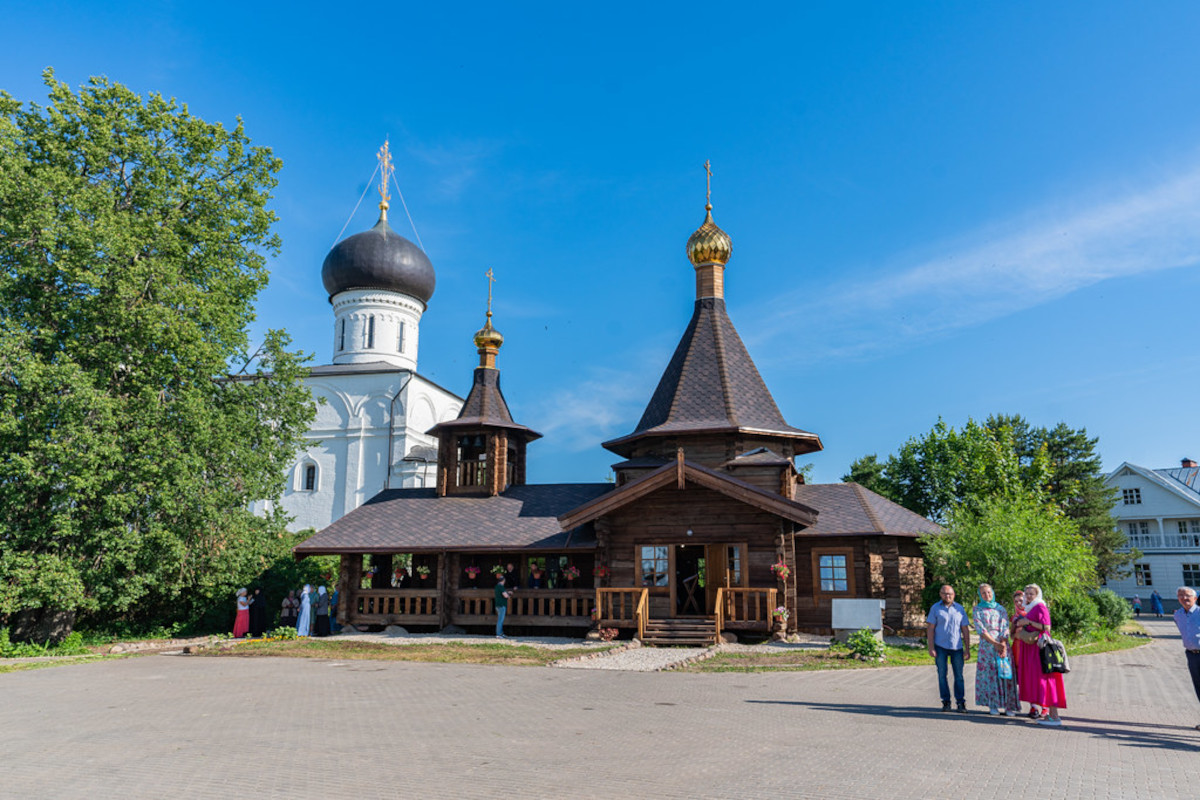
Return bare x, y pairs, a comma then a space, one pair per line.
680, 632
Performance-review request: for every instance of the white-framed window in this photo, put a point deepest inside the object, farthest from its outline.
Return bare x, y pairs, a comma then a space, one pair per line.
370, 332
308, 476
1189, 532
342, 336
1191, 575
1141, 574
400, 338
1131, 497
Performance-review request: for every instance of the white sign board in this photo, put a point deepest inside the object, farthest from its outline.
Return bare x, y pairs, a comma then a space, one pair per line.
855, 614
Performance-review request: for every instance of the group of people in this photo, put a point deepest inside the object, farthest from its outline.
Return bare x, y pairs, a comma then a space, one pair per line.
311, 614
1008, 666
1156, 604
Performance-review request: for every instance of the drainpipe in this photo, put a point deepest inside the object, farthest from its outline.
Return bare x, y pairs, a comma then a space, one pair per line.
387, 484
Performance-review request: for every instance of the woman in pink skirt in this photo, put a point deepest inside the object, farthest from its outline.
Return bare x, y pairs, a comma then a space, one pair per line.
1035, 687
241, 623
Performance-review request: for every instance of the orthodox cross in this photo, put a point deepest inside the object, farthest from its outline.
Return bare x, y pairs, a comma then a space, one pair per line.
491, 276
708, 181
385, 167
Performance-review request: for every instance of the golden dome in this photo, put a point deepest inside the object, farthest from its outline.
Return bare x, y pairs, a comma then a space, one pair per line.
709, 244
487, 336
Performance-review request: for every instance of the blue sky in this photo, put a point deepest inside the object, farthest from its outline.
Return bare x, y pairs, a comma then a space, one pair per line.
937, 209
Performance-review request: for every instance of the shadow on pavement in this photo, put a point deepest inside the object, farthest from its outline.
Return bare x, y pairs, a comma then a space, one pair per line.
1119, 731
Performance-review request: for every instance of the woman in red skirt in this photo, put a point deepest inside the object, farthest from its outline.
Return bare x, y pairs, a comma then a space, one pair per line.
241, 623
1037, 688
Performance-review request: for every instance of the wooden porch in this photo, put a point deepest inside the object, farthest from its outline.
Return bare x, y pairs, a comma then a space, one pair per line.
736, 609
527, 607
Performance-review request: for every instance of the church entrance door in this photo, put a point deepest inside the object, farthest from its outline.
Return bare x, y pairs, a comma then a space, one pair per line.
688, 586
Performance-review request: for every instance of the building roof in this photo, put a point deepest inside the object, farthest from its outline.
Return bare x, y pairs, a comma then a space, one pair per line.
1184, 482
417, 520
485, 406
712, 385
848, 509
679, 473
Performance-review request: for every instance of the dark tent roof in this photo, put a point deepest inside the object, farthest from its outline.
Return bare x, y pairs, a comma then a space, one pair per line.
712, 385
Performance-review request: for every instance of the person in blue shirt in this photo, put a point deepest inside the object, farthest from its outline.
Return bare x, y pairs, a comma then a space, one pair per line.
948, 632
1187, 619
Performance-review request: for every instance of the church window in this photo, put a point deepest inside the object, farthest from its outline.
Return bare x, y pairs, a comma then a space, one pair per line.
654, 565
400, 338
1191, 575
371, 332
1142, 576
472, 461
310, 478
342, 336
833, 571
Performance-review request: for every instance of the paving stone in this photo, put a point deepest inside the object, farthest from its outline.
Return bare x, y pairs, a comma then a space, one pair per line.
185, 726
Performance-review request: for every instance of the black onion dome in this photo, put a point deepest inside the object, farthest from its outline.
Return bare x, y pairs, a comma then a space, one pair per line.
379, 259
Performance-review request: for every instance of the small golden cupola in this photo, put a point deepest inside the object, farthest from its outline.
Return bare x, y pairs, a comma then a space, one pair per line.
488, 339
709, 249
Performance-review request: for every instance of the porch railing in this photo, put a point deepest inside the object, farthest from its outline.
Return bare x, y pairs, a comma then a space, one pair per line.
742, 606
408, 603
525, 605
624, 607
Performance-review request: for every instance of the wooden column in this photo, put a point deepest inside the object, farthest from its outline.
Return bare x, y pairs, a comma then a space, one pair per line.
349, 581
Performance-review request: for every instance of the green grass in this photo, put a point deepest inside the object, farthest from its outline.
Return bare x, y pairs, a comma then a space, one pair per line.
57, 661
441, 653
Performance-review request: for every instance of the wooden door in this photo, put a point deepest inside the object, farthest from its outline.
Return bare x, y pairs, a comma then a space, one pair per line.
716, 561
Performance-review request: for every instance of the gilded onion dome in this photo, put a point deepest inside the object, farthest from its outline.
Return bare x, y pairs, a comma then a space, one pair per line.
709, 244
487, 336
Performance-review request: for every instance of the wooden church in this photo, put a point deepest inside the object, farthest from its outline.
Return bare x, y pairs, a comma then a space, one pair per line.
707, 528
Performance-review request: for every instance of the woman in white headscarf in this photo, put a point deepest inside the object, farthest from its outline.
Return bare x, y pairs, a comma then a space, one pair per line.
304, 623
1036, 688
321, 611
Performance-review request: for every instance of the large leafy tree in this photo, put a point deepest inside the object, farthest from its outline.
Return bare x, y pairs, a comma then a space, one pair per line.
1010, 542
1075, 482
133, 239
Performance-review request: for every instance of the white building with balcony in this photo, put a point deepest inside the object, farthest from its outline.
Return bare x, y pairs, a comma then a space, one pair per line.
1159, 510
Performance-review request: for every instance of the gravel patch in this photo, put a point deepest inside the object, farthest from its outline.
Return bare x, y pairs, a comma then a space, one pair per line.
638, 659
400, 639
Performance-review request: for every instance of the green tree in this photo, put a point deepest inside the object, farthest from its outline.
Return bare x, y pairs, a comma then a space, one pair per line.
132, 246
946, 468
1075, 482
868, 473
1010, 541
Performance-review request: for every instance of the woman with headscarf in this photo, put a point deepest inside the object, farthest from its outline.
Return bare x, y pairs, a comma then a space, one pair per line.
1156, 604
1016, 645
241, 623
1036, 688
289, 610
991, 623
321, 612
258, 613
304, 622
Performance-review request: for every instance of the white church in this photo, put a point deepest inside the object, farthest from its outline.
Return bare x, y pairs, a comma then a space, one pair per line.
373, 407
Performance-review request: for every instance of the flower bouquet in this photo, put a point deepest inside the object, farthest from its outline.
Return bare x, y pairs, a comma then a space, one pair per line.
781, 614
781, 570
472, 572
422, 572
570, 572
603, 571
498, 570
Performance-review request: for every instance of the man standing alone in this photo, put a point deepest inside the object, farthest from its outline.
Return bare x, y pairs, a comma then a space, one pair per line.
949, 637
1187, 619
502, 595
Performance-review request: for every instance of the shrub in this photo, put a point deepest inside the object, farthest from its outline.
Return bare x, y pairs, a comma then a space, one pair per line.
1073, 616
284, 632
1114, 610
863, 644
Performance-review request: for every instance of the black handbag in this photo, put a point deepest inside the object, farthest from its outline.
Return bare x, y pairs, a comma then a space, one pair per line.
1054, 655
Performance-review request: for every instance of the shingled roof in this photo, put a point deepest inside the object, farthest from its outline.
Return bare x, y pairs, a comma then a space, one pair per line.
848, 509
417, 520
485, 406
711, 385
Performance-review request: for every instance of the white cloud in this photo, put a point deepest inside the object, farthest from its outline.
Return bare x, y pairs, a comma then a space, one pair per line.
606, 404
1004, 269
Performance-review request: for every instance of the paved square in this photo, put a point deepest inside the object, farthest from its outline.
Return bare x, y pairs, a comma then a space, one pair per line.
179, 726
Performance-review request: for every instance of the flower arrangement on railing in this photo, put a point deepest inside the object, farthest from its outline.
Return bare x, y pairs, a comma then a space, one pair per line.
781, 614
571, 572
498, 570
472, 572
603, 571
781, 570
422, 572
595, 615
